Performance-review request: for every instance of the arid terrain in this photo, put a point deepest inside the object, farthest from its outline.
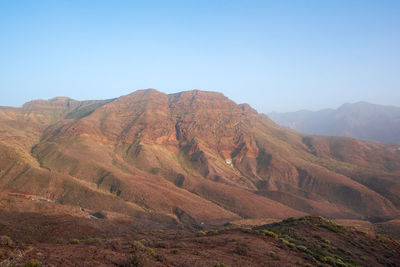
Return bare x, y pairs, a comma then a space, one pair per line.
57, 235
189, 179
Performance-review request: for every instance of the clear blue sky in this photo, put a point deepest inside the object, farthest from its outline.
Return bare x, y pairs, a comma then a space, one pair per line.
275, 55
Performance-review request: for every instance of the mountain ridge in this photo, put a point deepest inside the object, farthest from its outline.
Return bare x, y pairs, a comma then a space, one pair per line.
191, 157
360, 120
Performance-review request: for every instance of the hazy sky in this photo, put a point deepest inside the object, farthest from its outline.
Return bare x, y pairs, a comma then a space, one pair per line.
275, 55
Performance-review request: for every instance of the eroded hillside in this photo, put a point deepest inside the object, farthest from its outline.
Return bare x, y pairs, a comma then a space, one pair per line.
191, 158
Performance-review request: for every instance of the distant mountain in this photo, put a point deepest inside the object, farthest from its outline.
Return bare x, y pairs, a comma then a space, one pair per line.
190, 158
361, 120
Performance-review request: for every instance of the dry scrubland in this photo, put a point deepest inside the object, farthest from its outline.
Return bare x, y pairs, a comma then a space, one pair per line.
63, 236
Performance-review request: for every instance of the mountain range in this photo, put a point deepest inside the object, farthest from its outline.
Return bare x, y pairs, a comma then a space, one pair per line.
188, 159
360, 120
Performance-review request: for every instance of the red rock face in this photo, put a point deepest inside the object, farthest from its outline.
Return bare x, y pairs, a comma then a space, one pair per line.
196, 152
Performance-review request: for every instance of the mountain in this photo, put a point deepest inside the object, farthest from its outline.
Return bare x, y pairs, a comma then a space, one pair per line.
189, 159
361, 120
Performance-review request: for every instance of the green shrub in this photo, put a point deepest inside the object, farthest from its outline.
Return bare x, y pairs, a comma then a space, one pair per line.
137, 259
345, 251
174, 251
269, 233
339, 262
381, 238
351, 261
32, 263
74, 241
287, 243
212, 232
326, 241
331, 226
322, 239
302, 248
220, 265
246, 229
152, 252
137, 245
362, 233
229, 224
329, 260
201, 233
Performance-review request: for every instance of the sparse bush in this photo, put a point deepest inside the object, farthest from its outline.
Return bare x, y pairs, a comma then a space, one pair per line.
32, 263
228, 224
6, 241
136, 260
329, 260
152, 252
302, 248
269, 233
92, 241
212, 232
331, 226
292, 233
322, 239
74, 241
362, 233
246, 229
345, 251
174, 251
137, 245
326, 241
289, 220
201, 233
287, 243
381, 238
220, 265
113, 244
242, 249
161, 245
273, 255
161, 258
339, 262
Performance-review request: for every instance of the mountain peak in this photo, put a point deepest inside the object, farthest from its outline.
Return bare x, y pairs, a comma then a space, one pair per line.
196, 93
195, 156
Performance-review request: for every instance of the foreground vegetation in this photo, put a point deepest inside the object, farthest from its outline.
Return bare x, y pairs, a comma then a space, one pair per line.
306, 241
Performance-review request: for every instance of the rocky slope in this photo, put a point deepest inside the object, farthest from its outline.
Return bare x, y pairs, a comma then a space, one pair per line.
53, 240
191, 158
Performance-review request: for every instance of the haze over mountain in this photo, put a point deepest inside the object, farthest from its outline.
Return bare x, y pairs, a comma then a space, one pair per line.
189, 158
360, 120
